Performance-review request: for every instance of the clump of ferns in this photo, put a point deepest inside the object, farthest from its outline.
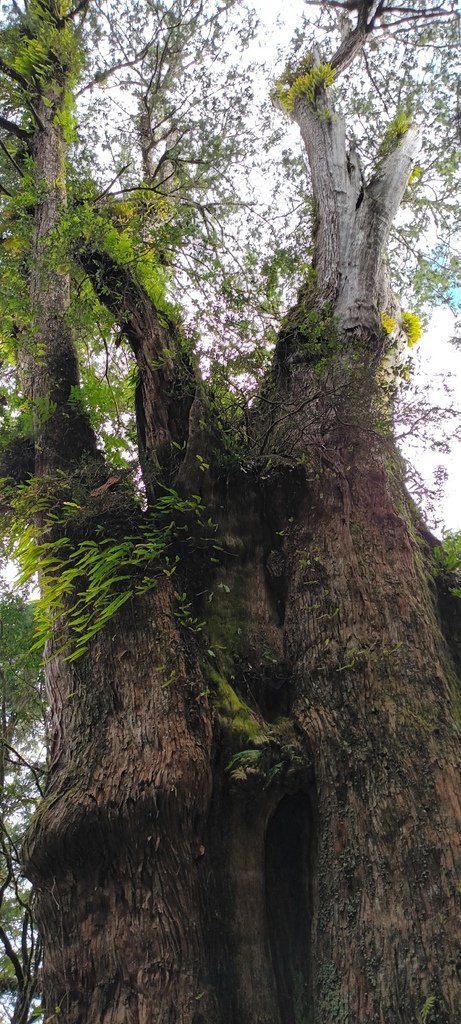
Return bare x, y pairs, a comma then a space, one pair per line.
304, 81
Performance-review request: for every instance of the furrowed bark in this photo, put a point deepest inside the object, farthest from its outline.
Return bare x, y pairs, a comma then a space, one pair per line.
115, 939
123, 931
141, 704
124, 813
376, 696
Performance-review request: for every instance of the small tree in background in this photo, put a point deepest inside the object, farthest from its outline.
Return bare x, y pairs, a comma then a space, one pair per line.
21, 786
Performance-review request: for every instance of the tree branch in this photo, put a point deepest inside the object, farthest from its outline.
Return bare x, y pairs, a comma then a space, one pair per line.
11, 158
348, 49
78, 9
6, 882
153, 336
388, 184
374, 82
107, 190
369, 13
103, 75
14, 129
22, 760
13, 957
13, 75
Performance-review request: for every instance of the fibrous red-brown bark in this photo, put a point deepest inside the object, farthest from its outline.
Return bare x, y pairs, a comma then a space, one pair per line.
320, 882
313, 878
375, 694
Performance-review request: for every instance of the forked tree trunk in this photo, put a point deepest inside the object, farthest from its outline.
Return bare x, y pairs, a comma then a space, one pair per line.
354, 218
261, 823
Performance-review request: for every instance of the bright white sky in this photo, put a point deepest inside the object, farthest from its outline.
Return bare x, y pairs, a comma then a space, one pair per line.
436, 357
439, 358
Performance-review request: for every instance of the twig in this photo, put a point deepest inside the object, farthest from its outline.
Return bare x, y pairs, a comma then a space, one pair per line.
26, 764
14, 129
11, 158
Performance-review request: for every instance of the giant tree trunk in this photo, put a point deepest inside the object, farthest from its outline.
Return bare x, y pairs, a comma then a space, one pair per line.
258, 823
316, 879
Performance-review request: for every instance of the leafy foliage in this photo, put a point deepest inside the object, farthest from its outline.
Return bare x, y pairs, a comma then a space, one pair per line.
449, 556
166, 197
410, 323
159, 191
175, 134
21, 781
425, 1012
388, 323
241, 762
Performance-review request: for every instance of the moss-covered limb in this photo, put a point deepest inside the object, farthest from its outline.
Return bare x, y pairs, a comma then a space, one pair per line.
167, 381
48, 364
44, 54
241, 725
118, 287
395, 132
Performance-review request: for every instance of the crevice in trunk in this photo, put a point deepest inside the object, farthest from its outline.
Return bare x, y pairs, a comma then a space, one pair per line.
288, 872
